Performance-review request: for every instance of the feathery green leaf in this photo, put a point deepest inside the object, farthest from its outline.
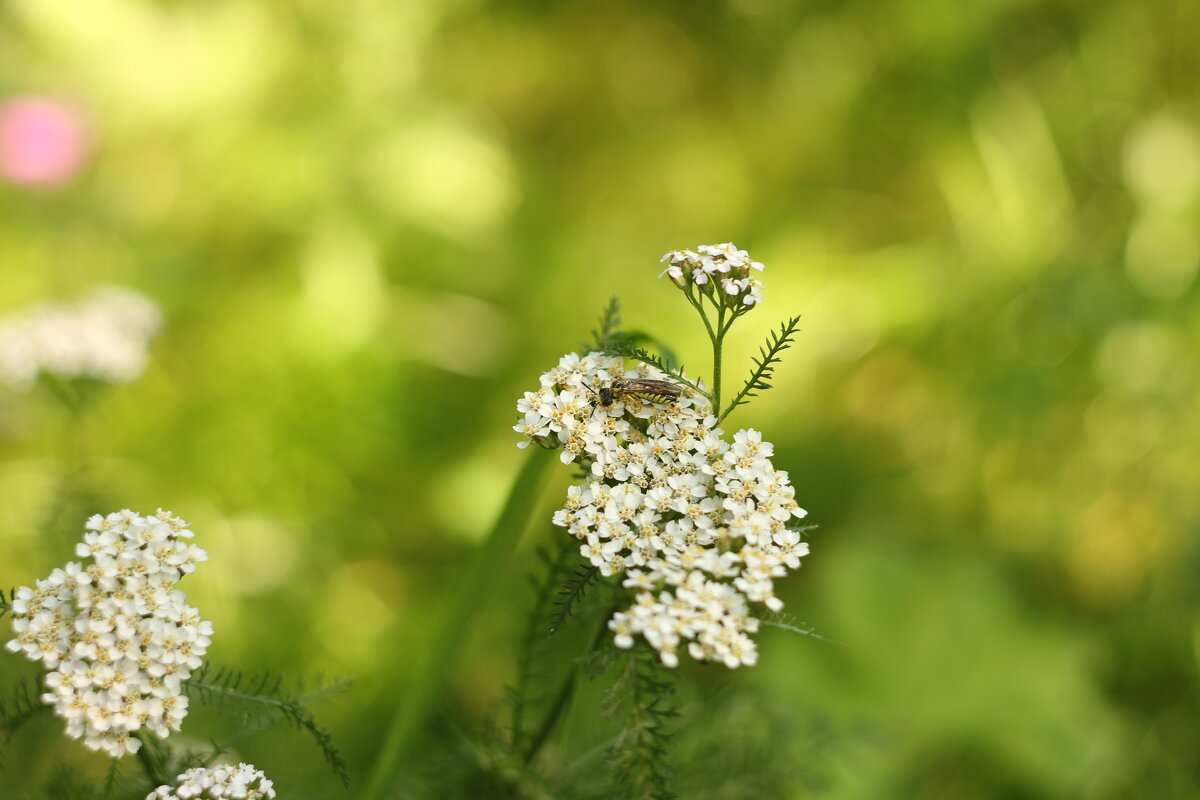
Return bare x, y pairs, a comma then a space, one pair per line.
785, 622
571, 594
610, 324
265, 693
764, 363
652, 344
639, 754
800, 526
530, 686
21, 704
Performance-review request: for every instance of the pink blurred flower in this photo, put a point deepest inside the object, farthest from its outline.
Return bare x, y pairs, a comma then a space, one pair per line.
42, 141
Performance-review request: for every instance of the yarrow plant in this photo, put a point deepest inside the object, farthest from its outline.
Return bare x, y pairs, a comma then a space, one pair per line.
243, 782
698, 527
123, 654
695, 525
683, 532
104, 336
116, 636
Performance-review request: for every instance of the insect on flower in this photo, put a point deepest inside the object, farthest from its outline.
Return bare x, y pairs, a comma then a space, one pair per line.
641, 388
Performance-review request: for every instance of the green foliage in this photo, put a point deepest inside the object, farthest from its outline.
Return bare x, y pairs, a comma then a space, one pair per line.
610, 325
70, 782
741, 746
533, 671
113, 777
571, 593
21, 704
265, 695
468, 766
626, 349
986, 213
764, 364
786, 622
639, 755
6, 601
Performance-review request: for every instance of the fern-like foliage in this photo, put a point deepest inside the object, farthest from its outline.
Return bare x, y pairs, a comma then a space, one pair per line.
627, 349
745, 745
21, 704
610, 325
764, 364
639, 755
68, 782
571, 593
113, 779
800, 526
786, 622
529, 689
654, 345
264, 694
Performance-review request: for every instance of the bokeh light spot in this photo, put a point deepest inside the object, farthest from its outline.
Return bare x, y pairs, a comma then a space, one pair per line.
1162, 161
1162, 257
43, 142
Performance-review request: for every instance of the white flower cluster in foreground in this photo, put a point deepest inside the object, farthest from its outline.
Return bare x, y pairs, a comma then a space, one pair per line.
116, 636
697, 525
242, 782
105, 336
720, 265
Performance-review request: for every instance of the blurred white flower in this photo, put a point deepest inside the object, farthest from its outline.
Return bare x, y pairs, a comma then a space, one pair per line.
243, 782
116, 636
698, 526
105, 336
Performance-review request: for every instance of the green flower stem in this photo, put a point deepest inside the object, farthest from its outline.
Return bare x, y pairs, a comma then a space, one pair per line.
473, 594
715, 335
717, 341
699, 306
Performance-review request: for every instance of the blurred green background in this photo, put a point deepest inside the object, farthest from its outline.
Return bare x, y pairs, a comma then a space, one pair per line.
372, 224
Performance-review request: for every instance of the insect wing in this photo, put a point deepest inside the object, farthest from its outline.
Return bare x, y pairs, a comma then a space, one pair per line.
652, 389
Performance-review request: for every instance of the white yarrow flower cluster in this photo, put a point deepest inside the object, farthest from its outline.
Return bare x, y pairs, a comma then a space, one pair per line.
716, 266
105, 336
697, 525
116, 636
242, 782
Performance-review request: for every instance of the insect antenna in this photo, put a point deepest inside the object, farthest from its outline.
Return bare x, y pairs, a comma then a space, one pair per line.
596, 399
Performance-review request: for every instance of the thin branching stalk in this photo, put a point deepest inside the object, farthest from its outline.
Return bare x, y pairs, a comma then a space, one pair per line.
473, 594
